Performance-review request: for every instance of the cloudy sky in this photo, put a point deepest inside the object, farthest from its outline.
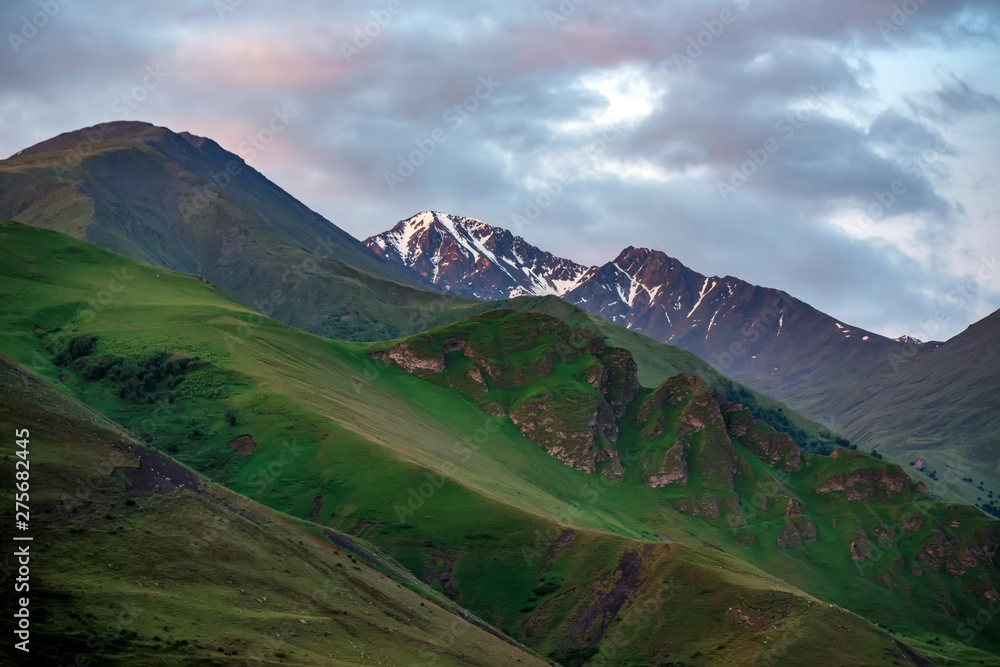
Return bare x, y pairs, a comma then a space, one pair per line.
847, 152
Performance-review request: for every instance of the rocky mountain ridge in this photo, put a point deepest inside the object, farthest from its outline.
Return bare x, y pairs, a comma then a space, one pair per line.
571, 394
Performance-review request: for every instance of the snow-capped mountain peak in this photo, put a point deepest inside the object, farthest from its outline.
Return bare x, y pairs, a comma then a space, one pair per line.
472, 258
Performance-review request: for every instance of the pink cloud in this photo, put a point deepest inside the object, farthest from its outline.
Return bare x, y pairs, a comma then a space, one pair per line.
249, 60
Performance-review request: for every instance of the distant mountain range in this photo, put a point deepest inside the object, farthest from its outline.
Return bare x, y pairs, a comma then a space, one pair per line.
643, 290
828, 370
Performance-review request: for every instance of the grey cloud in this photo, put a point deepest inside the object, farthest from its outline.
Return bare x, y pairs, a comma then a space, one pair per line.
959, 96
358, 117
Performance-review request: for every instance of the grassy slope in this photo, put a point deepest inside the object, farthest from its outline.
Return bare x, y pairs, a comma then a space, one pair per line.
839, 522
952, 385
198, 577
282, 384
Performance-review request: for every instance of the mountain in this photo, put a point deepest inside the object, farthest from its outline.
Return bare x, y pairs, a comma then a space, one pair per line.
479, 261
740, 328
938, 406
666, 524
658, 361
137, 559
830, 371
182, 202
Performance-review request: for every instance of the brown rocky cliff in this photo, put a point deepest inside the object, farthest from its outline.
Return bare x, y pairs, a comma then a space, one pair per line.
770, 446
412, 361
798, 530
577, 424
702, 439
872, 483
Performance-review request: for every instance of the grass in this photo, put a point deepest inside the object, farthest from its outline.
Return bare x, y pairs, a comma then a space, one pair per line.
201, 576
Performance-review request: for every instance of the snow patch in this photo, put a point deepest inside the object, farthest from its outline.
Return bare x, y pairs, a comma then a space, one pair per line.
711, 322
705, 289
470, 243
621, 294
633, 286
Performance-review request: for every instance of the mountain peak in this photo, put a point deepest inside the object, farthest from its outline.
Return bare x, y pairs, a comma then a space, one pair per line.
120, 130
908, 340
740, 327
471, 258
85, 141
633, 252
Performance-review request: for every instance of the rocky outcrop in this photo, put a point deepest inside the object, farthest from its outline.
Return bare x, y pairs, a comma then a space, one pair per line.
861, 548
673, 470
481, 363
773, 448
707, 507
911, 523
244, 445
943, 550
983, 546
621, 379
493, 356
683, 417
940, 550
872, 483
798, 530
652, 413
794, 507
476, 375
542, 419
410, 360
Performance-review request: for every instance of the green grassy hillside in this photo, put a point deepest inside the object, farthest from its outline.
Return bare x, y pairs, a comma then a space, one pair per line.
952, 386
572, 564
138, 560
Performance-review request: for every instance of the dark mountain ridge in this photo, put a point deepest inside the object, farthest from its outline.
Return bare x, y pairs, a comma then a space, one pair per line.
182, 202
